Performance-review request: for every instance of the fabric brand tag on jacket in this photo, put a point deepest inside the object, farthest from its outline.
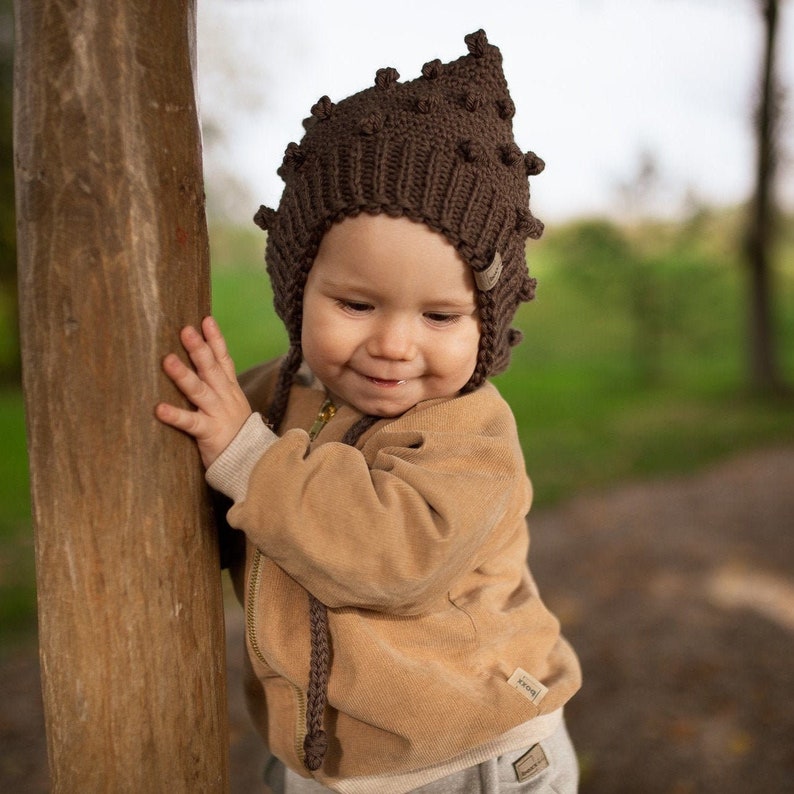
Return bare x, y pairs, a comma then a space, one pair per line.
528, 686
532, 763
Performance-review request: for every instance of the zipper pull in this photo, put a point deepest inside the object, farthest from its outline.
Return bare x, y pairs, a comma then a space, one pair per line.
325, 415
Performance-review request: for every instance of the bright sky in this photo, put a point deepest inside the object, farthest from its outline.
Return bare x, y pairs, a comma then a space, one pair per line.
596, 84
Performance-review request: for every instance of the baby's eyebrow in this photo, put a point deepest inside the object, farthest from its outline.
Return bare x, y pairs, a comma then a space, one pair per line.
345, 286
443, 303
332, 282
442, 307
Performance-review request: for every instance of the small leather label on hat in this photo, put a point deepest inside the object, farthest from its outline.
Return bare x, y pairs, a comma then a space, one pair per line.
532, 763
528, 686
486, 279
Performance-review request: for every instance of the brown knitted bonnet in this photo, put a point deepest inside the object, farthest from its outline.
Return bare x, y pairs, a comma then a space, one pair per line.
437, 149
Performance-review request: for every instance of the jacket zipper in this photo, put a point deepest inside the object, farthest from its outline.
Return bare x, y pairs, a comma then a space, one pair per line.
250, 623
253, 592
326, 413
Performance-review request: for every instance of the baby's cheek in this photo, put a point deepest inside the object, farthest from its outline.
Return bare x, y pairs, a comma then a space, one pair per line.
460, 358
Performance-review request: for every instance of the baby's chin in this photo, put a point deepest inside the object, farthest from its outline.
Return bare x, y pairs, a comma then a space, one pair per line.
383, 408
383, 412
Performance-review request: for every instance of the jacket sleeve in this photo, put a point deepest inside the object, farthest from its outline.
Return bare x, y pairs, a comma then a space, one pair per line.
388, 527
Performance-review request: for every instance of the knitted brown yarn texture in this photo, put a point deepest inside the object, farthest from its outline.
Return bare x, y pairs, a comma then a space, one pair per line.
438, 149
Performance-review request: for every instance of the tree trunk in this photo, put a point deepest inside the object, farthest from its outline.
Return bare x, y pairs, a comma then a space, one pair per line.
113, 260
764, 374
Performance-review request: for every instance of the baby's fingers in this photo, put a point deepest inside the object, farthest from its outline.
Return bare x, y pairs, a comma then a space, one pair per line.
217, 343
187, 381
205, 359
181, 419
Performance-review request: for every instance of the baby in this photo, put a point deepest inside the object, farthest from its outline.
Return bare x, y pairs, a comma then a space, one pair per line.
395, 637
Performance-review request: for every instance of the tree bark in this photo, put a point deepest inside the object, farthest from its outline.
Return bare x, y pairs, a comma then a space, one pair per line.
113, 260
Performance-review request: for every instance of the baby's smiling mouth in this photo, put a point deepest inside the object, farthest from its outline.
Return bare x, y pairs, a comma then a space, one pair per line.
384, 381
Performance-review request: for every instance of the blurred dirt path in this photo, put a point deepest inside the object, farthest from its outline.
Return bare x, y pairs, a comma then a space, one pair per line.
679, 597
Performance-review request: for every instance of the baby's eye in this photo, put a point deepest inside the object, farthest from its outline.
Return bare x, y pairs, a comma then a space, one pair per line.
355, 307
442, 318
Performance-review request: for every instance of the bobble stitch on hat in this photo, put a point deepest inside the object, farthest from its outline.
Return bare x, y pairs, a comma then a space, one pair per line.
264, 217
527, 225
506, 109
537, 228
432, 69
527, 290
511, 154
323, 108
477, 43
372, 124
524, 224
471, 151
473, 101
427, 104
293, 159
386, 78
534, 164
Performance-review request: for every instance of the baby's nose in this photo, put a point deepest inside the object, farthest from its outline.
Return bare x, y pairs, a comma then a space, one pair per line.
393, 338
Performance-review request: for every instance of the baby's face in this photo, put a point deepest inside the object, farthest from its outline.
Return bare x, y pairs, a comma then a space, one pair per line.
390, 315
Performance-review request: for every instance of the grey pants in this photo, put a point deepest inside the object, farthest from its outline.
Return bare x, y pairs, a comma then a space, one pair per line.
495, 776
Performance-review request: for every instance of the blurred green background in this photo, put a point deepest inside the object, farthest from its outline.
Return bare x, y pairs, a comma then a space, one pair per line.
634, 363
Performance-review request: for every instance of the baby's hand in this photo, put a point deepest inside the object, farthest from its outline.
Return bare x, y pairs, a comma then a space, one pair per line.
221, 406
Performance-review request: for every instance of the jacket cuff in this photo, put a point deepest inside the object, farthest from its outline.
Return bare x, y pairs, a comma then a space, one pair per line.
231, 470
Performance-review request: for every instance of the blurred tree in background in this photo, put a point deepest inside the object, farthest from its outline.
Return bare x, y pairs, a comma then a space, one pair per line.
663, 277
763, 217
9, 333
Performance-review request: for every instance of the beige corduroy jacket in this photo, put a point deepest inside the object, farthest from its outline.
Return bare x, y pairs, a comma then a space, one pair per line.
417, 542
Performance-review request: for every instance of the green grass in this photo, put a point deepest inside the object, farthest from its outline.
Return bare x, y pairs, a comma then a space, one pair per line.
17, 591
590, 411
590, 414
242, 306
